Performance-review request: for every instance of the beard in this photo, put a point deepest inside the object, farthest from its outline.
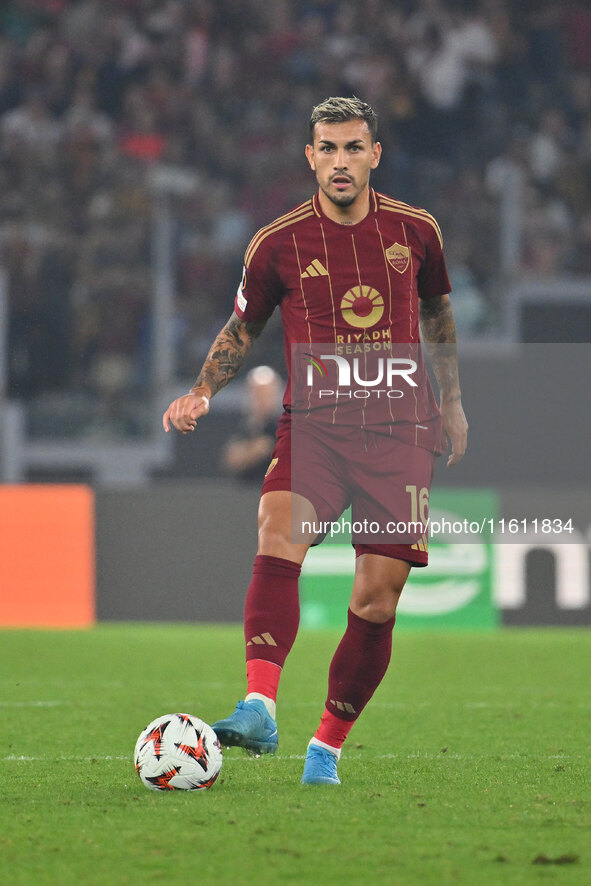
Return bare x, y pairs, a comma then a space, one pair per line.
341, 199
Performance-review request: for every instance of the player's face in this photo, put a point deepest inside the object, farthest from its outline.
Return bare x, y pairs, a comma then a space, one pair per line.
342, 157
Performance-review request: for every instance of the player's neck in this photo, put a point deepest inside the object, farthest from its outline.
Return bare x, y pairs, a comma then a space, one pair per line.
345, 215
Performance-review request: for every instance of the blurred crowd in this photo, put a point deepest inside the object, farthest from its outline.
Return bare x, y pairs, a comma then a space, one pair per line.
474, 99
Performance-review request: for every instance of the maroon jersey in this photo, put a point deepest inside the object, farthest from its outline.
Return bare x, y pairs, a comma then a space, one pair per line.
355, 289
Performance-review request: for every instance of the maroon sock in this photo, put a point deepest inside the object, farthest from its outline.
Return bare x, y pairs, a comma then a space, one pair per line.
271, 619
358, 666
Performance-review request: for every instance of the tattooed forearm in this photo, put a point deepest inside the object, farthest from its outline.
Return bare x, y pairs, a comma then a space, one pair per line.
227, 355
439, 334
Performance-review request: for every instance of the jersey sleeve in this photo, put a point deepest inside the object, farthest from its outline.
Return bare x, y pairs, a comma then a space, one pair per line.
432, 277
260, 289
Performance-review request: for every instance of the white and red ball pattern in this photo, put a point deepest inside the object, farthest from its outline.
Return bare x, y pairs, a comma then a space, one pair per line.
178, 752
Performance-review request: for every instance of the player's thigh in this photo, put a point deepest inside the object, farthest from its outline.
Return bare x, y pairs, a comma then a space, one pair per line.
390, 503
277, 512
303, 491
377, 586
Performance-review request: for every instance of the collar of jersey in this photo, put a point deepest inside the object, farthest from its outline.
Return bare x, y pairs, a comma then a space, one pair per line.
373, 208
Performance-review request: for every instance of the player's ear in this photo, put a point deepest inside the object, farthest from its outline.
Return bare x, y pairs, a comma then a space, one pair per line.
377, 153
310, 156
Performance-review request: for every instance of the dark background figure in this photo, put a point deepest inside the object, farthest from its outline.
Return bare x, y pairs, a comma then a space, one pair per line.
246, 454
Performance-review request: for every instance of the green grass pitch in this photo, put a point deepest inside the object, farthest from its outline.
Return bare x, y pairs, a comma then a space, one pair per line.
469, 767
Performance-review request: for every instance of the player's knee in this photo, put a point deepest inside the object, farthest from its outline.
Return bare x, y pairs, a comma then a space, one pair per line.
376, 604
274, 541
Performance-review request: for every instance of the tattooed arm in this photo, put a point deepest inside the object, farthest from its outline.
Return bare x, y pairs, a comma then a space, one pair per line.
439, 334
226, 356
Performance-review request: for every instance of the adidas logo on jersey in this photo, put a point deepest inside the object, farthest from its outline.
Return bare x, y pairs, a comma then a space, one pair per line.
315, 269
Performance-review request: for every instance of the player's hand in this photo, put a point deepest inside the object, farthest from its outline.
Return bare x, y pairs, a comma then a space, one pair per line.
456, 428
184, 412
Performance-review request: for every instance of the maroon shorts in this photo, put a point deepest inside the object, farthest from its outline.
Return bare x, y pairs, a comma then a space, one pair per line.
384, 480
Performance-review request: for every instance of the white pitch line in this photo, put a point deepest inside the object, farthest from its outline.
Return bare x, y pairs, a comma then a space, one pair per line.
33, 704
96, 758
16, 758
395, 705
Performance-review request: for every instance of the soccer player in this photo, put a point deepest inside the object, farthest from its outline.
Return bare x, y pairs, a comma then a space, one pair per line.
350, 268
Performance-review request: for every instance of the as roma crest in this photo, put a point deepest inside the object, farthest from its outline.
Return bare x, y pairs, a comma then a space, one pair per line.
398, 256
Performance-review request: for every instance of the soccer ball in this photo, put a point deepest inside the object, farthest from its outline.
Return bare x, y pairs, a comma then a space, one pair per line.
178, 752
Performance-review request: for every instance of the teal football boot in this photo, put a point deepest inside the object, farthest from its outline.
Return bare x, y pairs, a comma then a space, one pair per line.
250, 727
320, 766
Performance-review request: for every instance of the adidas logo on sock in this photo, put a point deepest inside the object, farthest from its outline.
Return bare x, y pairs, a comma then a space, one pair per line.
315, 269
343, 706
264, 640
